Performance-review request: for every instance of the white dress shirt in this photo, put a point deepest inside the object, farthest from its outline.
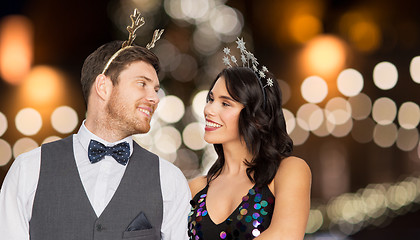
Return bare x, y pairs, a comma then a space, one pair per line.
100, 181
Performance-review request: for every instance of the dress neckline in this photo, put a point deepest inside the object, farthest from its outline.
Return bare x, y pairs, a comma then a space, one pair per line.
234, 211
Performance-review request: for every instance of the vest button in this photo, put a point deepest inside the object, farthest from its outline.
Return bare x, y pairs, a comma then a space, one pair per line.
99, 227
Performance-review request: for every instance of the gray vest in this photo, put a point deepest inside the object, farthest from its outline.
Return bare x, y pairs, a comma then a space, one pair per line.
62, 211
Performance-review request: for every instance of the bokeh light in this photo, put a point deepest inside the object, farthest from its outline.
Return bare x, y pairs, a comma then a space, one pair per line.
309, 116
187, 161
303, 27
198, 104
193, 136
51, 139
362, 131
208, 158
286, 92
187, 70
338, 110
324, 56
350, 82
204, 40
168, 55
315, 221
167, 139
195, 9
28, 121
385, 75
3, 124
385, 135
384, 111
222, 14
415, 69
290, 120
23, 145
16, 48
408, 115
171, 109
407, 139
6, 152
361, 106
342, 130
325, 128
299, 135
173, 8
64, 119
314, 89
43, 85
365, 35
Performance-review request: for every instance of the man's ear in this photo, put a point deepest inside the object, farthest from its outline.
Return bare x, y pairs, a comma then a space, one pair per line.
103, 86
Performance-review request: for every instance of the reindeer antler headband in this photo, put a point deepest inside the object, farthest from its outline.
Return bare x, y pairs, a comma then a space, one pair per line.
136, 23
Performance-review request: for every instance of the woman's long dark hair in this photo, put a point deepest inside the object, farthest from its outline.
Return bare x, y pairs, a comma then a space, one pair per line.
261, 125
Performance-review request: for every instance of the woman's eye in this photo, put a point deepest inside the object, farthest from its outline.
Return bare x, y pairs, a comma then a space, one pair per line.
141, 84
226, 104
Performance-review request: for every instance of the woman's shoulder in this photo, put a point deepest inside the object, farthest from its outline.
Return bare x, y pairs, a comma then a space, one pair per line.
292, 170
197, 184
293, 163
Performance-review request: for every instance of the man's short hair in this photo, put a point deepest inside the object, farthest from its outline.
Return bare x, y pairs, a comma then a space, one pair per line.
96, 61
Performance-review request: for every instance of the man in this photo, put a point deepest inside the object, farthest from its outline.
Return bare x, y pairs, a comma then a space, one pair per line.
98, 183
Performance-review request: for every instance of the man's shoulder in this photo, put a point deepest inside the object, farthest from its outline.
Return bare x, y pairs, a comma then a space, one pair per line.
166, 167
28, 157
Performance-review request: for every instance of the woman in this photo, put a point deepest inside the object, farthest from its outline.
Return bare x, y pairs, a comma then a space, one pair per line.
255, 189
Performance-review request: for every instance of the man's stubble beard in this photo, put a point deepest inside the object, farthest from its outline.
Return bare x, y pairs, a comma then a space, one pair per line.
124, 117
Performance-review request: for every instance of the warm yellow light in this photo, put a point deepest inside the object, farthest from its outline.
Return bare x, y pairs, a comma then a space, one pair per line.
324, 56
304, 27
43, 85
15, 48
365, 35
361, 30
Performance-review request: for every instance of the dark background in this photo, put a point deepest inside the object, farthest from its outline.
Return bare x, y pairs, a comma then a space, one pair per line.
66, 32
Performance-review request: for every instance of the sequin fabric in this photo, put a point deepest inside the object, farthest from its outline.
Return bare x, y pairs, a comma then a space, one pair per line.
248, 221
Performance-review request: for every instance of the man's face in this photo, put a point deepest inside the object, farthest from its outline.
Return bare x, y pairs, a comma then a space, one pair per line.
134, 99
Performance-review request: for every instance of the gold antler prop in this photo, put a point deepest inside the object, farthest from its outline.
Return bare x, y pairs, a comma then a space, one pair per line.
156, 37
136, 22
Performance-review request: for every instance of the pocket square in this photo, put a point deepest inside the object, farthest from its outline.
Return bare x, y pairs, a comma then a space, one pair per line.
139, 223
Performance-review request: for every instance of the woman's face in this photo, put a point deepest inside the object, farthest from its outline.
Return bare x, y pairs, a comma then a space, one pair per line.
222, 115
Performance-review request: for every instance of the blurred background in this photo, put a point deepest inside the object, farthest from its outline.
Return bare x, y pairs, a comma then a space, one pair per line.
349, 72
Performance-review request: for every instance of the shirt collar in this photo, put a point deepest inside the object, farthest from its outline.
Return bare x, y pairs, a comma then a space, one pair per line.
84, 136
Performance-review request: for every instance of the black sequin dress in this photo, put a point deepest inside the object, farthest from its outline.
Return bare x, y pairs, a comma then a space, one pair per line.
248, 220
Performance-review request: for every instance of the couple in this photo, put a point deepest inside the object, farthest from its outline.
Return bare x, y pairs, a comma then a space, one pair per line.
99, 184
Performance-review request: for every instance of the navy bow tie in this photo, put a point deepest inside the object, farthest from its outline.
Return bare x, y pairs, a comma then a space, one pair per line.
97, 151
